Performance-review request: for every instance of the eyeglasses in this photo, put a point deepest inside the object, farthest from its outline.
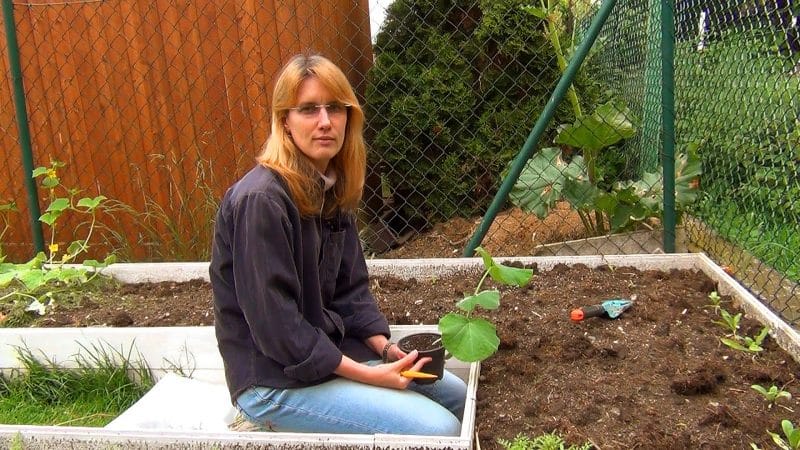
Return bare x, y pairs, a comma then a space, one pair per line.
311, 110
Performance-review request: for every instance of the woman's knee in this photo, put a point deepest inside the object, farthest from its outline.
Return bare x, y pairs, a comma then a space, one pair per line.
442, 423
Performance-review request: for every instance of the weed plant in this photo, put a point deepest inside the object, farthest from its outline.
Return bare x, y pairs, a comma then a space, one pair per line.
179, 225
35, 285
548, 441
103, 385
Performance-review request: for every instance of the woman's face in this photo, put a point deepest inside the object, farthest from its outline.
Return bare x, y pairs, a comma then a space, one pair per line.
317, 131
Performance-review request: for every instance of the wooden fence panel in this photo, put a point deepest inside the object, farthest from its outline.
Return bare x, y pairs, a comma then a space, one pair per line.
159, 105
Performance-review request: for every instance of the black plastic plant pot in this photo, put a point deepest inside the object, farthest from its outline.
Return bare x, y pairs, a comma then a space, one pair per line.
430, 345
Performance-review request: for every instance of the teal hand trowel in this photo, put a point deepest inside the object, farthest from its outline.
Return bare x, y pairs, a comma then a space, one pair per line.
610, 309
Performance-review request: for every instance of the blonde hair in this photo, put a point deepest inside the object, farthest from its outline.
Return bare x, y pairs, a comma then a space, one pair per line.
282, 155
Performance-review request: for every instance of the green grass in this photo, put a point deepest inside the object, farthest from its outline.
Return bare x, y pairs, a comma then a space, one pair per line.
101, 387
774, 242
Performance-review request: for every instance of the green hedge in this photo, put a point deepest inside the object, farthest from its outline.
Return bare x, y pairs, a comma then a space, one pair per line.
454, 92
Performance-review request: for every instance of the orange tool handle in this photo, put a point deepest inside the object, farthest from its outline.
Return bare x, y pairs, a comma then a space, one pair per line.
584, 312
413, 374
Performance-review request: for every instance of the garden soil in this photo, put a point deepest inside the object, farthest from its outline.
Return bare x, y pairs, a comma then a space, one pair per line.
657, 377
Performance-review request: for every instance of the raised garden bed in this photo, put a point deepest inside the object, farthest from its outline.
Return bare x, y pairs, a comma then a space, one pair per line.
557, 375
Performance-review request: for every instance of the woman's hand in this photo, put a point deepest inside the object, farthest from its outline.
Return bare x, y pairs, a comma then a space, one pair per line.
394, 353
389, 373
385, 375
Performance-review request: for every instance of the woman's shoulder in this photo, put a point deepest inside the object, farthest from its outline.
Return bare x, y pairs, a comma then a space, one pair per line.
259, 184
259, 179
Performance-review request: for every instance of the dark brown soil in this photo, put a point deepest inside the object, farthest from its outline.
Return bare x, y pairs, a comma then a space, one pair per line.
656, 377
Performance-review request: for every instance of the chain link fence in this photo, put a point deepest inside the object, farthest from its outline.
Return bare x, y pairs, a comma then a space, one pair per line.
160, 106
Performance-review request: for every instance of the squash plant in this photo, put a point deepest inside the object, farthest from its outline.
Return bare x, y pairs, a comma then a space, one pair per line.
37, 280
547, 178
470, 338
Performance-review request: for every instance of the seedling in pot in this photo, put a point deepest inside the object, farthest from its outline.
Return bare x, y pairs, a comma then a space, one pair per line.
470, 338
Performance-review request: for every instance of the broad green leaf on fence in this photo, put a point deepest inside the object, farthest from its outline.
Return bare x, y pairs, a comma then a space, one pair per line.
10, 206
59, 204
688, 169
50, 182
486, 299
91, 203
514, 276
50, 217
580, 194
39, 171
468, 340
608, 125
540, 183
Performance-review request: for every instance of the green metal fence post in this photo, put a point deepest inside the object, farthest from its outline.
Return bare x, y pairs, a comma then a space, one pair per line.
22, 124
668, 121
540, 126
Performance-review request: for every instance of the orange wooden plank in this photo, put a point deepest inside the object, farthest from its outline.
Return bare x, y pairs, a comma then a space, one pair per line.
45, 98
235, 90
134, 120
287, 29
251, 22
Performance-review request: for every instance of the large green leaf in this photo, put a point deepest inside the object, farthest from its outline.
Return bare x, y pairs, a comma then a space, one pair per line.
91, 203
59, 204
504, 274
50, 217
609, 124
469, 340
488, 262
486, 299
580, 193
32, 279
688, 169
6, 278
540, 183
514, 276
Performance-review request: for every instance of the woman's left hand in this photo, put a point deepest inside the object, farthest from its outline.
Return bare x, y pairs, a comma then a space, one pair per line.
394, 353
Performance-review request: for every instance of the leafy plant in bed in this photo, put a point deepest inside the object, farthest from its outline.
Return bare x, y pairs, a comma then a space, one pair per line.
462, 334
35, 286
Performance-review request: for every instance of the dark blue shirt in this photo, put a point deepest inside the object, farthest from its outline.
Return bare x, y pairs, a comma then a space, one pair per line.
291, 293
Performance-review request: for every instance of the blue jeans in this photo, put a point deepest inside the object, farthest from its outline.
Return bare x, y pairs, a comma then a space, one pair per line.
346, 406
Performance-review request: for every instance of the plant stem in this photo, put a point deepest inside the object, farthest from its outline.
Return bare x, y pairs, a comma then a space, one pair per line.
480, 283
555, 41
